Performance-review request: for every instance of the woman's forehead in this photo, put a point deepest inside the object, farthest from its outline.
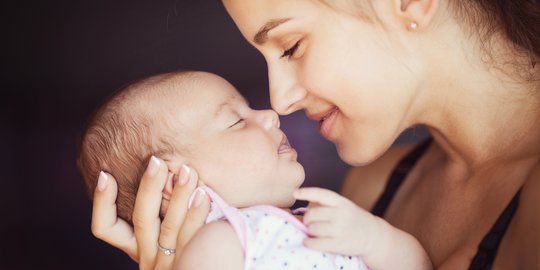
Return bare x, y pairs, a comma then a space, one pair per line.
254, 15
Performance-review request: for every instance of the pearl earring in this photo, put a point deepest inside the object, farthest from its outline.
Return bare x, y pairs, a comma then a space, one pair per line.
413, 26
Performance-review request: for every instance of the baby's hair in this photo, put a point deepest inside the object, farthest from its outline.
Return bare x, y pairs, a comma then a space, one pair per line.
122, 135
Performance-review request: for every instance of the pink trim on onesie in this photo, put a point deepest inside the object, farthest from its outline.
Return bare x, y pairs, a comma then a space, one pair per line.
279, 242
237, 222
232, 214
270, 209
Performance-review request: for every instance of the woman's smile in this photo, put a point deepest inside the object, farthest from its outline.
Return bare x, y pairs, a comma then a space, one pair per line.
327, 121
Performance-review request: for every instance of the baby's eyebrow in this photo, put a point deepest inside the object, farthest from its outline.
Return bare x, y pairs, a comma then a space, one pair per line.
220, 108
224, 104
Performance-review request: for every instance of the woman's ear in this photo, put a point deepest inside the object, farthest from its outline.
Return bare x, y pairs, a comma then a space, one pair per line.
416, 15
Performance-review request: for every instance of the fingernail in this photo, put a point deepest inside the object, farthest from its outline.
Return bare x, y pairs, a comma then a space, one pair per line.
153, 166
184, 175
103, 180
199, 196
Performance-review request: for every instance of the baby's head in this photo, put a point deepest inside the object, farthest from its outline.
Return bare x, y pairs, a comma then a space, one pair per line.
193, 118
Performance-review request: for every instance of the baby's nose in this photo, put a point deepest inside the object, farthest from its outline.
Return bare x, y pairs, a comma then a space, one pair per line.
270, 119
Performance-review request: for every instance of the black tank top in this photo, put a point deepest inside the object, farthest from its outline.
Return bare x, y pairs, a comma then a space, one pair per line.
487, 250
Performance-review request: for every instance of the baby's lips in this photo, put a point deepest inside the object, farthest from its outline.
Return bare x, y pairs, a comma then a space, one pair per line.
284, 145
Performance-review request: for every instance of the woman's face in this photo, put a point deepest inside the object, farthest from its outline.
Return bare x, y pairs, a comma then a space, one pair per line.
349, 74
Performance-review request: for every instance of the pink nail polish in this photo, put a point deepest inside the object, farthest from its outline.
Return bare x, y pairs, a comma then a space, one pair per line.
198, 199
153, 166
184, 175
103, 180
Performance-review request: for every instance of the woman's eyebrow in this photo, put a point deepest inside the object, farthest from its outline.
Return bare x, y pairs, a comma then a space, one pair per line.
262, 35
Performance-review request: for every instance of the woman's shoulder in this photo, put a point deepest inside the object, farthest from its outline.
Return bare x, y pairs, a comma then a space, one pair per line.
527, 227
520, 245
363, 185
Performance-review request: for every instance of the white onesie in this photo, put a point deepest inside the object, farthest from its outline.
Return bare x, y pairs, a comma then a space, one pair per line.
271, 238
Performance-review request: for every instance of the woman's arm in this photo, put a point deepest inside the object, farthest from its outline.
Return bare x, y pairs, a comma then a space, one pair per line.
141, 241
215, 246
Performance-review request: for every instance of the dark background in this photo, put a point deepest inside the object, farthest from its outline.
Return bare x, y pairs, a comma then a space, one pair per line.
61, 58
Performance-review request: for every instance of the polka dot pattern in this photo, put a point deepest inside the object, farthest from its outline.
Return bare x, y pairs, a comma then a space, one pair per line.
272, 239
274, 243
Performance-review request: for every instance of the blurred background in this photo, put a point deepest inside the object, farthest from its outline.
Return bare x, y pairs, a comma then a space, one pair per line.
61, 58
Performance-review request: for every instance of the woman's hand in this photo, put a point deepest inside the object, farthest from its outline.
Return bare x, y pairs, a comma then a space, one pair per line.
141, 242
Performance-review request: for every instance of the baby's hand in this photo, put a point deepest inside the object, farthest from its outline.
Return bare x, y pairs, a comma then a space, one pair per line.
337, 225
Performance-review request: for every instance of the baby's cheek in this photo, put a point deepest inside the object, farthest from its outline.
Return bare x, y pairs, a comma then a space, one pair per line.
234, 192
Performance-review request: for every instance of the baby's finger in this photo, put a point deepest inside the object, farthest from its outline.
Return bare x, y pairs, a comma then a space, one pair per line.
318, 214
184, 185
105, 223
325, 244
318, 195
319, 230
146, 212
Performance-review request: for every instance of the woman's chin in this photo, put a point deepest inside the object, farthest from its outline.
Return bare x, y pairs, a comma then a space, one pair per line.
357, 155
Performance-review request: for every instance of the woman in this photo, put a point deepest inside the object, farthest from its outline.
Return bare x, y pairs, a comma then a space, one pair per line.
368, 70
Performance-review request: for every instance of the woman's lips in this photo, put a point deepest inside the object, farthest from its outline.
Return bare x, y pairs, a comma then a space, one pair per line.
327, 122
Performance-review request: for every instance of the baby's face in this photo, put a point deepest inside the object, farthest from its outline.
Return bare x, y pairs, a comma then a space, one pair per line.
239, 152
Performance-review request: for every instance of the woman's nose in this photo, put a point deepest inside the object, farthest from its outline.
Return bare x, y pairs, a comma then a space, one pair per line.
269, 119
285, 92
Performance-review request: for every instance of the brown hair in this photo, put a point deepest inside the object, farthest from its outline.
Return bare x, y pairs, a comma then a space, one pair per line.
518, 21
121, 136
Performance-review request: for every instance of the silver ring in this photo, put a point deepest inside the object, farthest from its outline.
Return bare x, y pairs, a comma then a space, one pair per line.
166, 251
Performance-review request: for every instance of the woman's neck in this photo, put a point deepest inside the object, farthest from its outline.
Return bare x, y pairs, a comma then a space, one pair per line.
481, 114
481, 130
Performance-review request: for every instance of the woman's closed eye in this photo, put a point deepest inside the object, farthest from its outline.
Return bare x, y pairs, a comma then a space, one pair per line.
290, 52
237, 122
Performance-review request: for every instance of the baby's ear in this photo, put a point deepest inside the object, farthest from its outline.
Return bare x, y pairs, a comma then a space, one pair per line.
174, 170
164, 207
168, 188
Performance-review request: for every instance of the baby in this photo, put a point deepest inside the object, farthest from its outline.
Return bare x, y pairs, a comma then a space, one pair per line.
243, 159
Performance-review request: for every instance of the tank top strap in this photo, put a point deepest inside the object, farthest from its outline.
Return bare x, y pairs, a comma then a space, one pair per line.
399, 174
487, 250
